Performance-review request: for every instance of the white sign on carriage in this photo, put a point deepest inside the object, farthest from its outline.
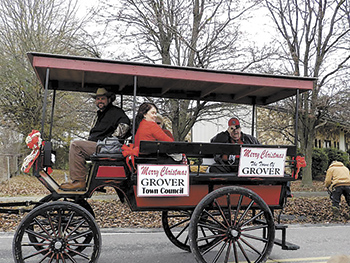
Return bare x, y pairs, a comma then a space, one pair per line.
262, 161
162, 180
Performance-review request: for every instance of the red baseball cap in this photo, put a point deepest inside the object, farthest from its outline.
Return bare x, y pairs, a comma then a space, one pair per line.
234, 121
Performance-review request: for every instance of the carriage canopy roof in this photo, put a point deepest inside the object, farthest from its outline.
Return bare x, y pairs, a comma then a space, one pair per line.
84, 74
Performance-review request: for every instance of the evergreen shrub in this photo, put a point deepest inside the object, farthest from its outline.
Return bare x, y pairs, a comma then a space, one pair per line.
319, 162
336, 155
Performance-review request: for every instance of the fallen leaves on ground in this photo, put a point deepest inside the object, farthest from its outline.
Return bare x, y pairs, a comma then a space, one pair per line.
317, 186
114, 214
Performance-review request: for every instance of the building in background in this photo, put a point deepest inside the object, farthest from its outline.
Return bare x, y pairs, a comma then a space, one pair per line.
203, 131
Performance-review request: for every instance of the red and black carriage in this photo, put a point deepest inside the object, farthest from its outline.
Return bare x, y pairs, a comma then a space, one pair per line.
218, 217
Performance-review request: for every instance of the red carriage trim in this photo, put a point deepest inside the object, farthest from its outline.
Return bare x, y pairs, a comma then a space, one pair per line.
111, 172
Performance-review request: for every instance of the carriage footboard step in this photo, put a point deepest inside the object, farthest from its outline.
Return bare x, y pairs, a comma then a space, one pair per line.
282, 242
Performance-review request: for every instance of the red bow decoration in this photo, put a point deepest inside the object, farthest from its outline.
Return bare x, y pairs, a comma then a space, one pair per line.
300, 163
129, 151
34, 142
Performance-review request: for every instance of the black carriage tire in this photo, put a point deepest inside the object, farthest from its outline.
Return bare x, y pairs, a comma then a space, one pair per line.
182, 223
232, 233
81, 202
50, 198
61, 227
177, 232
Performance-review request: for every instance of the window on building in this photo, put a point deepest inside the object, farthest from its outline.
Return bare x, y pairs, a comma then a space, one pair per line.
318, 143
327, 144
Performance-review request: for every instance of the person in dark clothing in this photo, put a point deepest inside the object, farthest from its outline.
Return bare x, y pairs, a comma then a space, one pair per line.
229, 163
109, 121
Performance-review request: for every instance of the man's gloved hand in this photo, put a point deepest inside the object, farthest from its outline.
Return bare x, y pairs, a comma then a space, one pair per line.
231, 159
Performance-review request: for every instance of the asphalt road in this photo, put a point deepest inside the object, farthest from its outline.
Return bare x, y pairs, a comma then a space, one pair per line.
318, 243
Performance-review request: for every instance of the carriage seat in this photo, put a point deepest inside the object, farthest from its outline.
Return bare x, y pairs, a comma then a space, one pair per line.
107, 156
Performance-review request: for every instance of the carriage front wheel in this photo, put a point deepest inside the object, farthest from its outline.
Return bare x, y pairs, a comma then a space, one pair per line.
61, 229
237, 224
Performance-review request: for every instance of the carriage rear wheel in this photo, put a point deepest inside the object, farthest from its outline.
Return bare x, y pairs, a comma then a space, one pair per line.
61, 229
175, 225
237, 224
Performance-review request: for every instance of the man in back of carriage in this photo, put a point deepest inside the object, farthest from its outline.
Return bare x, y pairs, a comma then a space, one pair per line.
229, 163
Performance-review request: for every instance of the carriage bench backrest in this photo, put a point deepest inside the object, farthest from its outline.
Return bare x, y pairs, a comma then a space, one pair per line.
207, 150
202, 150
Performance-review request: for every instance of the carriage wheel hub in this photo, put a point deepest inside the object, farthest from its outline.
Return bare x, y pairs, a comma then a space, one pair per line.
234, 233
58, 245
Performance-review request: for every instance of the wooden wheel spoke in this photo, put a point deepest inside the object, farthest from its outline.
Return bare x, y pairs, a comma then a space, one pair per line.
182, 231
238, 227
253, 218
221, 212
180, 223
243, 252
228, 252
251, 228
217, 256
251, 246
229, 209
245, 212
237, 209
214, 244
235, 251
36, 234
74, 235
255, 237
214, 219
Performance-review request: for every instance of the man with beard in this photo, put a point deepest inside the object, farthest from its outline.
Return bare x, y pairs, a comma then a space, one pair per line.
109, 121
229, 163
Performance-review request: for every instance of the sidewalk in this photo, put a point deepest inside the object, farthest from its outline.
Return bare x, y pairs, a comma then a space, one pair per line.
310, 194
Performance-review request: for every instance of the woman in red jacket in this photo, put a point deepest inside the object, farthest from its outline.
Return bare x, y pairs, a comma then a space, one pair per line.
146, 126
148, 130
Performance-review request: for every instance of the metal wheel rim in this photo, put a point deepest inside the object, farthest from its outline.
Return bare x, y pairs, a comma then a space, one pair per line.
175, 225
83, 203
61, 229
239, 234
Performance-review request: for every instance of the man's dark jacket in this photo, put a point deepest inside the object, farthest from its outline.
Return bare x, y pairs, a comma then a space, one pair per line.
107, 122
224, 137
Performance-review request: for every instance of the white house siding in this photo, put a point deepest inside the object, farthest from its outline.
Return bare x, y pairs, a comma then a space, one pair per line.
203, 131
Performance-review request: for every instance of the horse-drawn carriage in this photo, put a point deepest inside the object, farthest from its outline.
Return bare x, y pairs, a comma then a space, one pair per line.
218, 217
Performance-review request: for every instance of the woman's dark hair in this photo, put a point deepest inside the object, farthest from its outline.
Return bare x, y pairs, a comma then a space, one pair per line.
143, 109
